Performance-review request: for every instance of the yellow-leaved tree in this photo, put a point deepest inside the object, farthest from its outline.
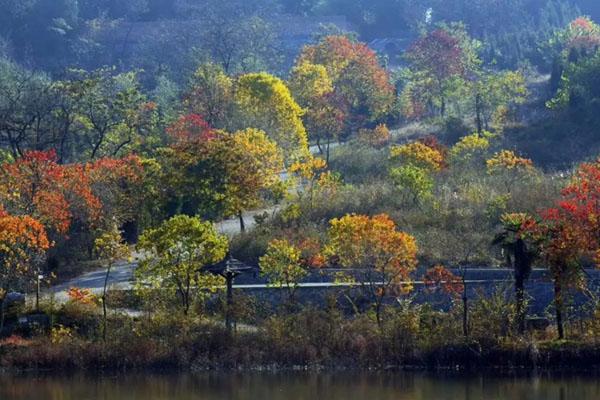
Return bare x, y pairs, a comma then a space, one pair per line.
381, 257
264, 102
283, 266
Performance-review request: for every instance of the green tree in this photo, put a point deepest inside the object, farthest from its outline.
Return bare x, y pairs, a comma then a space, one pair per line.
110, 248
282, 265
175, 253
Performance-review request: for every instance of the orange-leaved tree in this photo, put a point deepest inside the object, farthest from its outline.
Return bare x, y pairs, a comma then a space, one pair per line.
55, 194
23, 244
381, 256
362, 87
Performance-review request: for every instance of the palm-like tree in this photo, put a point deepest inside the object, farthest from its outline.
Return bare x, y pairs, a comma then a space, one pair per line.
519, 256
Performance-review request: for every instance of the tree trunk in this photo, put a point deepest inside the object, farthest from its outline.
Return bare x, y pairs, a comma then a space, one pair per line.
478, 113
242, 223
465, 301
558, 306
520, 300
378, 314
104, 308
443, 108
2, 303
327, 155
465, 319
228, 317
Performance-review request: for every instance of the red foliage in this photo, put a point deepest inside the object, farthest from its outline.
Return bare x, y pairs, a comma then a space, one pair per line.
439, 53
190, 127
433, 143
571, 230
51, 192
440, 278
359, 81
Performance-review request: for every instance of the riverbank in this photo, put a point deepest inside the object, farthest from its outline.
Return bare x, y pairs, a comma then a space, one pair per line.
214, 350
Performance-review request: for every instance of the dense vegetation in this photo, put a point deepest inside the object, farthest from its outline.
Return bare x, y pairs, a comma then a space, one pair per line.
148, 122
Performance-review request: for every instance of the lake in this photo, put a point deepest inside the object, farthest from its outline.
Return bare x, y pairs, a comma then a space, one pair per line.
299, 386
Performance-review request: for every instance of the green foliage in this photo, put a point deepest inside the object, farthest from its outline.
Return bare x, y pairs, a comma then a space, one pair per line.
416, 182
174, 255
282, 266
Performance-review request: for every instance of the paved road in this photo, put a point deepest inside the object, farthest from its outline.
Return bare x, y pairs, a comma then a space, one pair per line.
121, 275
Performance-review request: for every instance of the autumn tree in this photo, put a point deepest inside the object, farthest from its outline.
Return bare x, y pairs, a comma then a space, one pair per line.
382, 256
264, 102
210, 95
325, 111
23, 245
362, 92
175, 253
119, 185
282, 265
510, 168
578, 41
569, 232
38, 186
217, 173
412, 169
254, 167
437, 63
377, 137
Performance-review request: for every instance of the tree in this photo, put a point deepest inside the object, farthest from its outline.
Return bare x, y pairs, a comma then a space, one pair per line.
264, 102
254, 166
112, 115
110, 247
325, 110
413, 166
282, 265
216, 173
119, 185
23, 244
361, 86
238, 35
377, 137
210, 95
568, 232
437, 61
54, 194
383, 256
520, 255
510, 168
578, 40
470, 148
493, 93
176, 252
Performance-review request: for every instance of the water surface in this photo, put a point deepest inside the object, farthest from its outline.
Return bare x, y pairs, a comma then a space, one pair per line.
299, 386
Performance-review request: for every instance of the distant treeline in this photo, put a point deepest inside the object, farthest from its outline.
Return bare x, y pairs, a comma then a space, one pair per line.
53, 35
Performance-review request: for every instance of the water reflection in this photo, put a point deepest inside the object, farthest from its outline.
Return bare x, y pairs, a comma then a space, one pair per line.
298, 386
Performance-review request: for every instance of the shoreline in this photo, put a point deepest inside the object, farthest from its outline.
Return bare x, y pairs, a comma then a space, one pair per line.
550, 358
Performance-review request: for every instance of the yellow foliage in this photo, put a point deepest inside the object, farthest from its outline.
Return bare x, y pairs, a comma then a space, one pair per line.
469, 146
377, 137
360, 241
265, 102
419, 155
507, 160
